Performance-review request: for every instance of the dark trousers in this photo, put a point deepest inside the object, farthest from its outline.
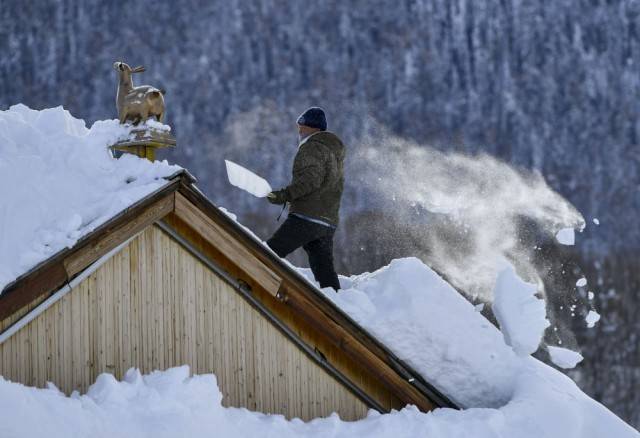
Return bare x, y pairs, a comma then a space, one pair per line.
315, 239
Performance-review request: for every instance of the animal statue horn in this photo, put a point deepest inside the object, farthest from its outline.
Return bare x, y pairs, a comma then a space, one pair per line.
137, 104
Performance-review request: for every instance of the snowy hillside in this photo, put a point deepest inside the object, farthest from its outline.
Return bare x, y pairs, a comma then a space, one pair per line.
64, 183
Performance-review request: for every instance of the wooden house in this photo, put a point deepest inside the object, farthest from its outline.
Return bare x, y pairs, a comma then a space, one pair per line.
173, 280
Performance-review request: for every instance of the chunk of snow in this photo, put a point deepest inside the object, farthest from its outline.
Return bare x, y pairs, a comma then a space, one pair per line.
156, 125
64, 183
590, 295
596, 221
228, 213
564, 357
581, 282
592, 318
479, 307
566, 236
246, 180
521, 315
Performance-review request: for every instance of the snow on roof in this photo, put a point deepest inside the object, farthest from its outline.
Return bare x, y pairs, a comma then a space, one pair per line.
427, 323
64, 183
414, 312
59, 182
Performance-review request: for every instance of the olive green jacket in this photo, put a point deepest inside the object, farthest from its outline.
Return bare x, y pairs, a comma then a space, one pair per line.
318, 177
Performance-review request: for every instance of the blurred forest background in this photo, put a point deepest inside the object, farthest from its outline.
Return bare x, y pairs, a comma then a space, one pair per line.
547, 86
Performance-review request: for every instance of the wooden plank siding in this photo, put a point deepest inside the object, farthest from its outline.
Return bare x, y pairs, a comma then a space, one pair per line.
153, 306
357, 372
53, 273
237, 253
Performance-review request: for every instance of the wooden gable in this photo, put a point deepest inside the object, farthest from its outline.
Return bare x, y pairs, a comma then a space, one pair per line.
152, 306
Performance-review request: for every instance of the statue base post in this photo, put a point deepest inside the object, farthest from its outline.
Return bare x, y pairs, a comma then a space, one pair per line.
143, 142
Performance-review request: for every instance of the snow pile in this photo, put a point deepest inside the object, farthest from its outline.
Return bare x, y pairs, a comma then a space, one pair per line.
432, 327
521, 315
426, 323
60, 182
171, 404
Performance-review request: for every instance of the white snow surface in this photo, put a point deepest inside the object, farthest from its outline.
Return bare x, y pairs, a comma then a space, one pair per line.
171, 403
563, 357
406, 305
521, 315
428, 324
60, 182
566, 236
246, 180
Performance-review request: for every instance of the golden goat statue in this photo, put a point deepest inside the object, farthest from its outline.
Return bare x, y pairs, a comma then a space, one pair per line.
137, 103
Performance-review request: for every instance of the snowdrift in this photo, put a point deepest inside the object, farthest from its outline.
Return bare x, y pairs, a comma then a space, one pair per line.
59, 182
63, 183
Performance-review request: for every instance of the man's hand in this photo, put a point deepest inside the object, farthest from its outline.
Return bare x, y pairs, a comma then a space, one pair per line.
278, 196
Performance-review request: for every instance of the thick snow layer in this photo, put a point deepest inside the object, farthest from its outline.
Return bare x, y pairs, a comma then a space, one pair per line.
172, 404
521, 315
564, 357
566, 236
60, 182
426, 323
246, 180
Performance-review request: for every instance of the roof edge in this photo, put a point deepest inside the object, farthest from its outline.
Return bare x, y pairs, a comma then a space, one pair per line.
50, 274
174, 178
407, 372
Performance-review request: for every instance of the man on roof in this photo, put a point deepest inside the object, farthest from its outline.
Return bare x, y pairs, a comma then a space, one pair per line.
313, 196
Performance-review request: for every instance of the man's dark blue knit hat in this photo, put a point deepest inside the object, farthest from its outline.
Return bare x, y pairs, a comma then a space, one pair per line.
314, 118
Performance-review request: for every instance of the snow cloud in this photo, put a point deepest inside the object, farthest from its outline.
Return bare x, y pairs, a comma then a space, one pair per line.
475, 206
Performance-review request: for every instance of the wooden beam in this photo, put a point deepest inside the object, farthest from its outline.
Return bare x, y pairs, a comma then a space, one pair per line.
339, 335
233, 249
51, 274
112, 237
270, 259
49, 278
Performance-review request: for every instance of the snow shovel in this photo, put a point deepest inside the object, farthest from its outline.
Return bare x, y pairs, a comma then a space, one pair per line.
248, 181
